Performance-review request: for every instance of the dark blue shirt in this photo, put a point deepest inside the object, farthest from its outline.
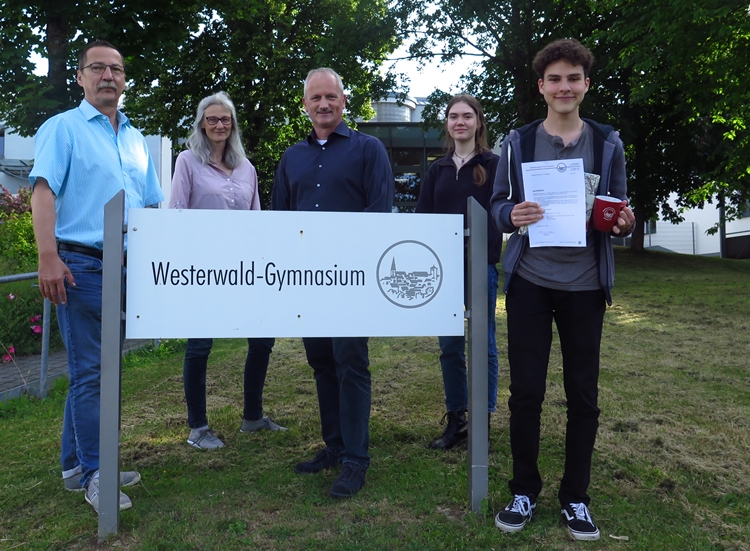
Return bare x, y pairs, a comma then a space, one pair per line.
349, 173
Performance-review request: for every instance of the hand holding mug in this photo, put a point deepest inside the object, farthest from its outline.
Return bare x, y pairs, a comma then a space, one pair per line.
607, 212
625, 222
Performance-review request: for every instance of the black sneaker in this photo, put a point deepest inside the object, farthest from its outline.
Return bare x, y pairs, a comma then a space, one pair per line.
517, 513
350, 481
578, 519
455, 434
323, 460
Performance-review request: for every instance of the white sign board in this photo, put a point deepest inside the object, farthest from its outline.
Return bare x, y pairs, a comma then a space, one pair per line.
208, 273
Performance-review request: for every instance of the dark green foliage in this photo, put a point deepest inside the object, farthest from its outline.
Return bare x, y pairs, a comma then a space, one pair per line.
671, 76
57, 31
176, 53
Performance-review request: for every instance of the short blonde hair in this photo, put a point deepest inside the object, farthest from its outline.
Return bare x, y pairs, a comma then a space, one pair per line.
327, 71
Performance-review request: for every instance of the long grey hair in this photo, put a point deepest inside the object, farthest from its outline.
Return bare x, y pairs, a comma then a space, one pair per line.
200, 145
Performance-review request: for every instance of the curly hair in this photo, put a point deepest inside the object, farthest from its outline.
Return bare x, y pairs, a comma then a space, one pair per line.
568, 49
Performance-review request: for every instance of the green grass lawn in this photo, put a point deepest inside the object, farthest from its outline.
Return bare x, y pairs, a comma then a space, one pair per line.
671, 466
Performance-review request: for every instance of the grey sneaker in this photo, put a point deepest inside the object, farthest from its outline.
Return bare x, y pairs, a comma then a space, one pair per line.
92, 495
204, 439
127, 479
264, 423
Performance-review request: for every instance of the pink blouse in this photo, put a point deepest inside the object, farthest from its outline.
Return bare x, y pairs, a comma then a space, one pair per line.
199, 186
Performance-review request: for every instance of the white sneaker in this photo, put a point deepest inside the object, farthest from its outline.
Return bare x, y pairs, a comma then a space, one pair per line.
92, 495
516, 514
578, 519
73, 483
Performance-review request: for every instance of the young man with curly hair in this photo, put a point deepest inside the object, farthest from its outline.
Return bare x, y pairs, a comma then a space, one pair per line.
568, 285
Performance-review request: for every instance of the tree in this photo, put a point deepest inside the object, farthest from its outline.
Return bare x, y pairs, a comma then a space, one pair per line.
258, 51
59, 30
668, 74
686, 62
504, 38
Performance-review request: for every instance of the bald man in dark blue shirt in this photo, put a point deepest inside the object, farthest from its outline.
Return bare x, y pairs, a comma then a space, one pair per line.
336, 169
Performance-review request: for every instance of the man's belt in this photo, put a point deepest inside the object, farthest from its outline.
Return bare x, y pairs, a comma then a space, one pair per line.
73, 248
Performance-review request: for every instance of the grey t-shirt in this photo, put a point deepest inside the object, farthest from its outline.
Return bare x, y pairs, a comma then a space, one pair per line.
563, 268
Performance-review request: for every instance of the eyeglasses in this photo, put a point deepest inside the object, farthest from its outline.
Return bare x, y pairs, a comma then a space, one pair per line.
99, 68
213, 121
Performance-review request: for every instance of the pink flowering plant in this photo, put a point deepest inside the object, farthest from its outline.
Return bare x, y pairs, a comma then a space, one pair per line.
15, 203
21, 307
20, 303
10, 351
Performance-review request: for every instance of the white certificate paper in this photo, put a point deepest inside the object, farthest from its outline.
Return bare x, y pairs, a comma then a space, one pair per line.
559, 187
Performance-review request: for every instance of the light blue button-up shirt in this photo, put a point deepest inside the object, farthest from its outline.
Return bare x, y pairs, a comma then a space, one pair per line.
86, 163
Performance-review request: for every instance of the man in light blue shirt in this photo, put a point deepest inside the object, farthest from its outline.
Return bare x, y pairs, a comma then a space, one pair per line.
83, 157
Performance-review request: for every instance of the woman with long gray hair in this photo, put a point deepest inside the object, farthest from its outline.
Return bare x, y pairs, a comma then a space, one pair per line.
213, 173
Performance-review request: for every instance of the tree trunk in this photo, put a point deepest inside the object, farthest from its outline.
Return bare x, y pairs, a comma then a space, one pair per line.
639, 144
57, 53
636, 238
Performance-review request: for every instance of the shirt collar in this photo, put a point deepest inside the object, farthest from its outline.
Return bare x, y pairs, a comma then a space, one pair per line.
342, 129
90, 112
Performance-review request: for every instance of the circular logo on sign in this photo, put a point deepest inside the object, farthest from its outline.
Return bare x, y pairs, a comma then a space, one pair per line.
609, 213
562, 167
409, 274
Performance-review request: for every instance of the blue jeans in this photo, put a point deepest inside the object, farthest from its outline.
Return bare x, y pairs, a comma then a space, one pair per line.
194, 378
342, 378
453, 358
80, 321
579, 316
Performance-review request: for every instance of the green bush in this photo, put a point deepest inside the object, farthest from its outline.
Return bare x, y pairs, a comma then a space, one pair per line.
21, 304
17, 243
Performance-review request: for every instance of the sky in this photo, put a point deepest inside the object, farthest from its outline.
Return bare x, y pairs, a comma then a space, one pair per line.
433, 75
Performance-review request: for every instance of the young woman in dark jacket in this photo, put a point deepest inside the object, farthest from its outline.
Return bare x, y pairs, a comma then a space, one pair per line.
468, 170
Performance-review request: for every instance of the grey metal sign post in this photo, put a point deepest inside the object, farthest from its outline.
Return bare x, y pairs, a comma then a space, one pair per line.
111, 369
477, 313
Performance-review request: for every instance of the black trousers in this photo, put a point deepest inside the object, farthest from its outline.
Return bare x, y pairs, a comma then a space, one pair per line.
342, 378
579, 316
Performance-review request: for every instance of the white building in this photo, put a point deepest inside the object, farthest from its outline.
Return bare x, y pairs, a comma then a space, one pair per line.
17, 154
689, 237
389, 110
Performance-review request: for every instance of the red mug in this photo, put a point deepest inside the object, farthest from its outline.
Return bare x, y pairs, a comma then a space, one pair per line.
606, 211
